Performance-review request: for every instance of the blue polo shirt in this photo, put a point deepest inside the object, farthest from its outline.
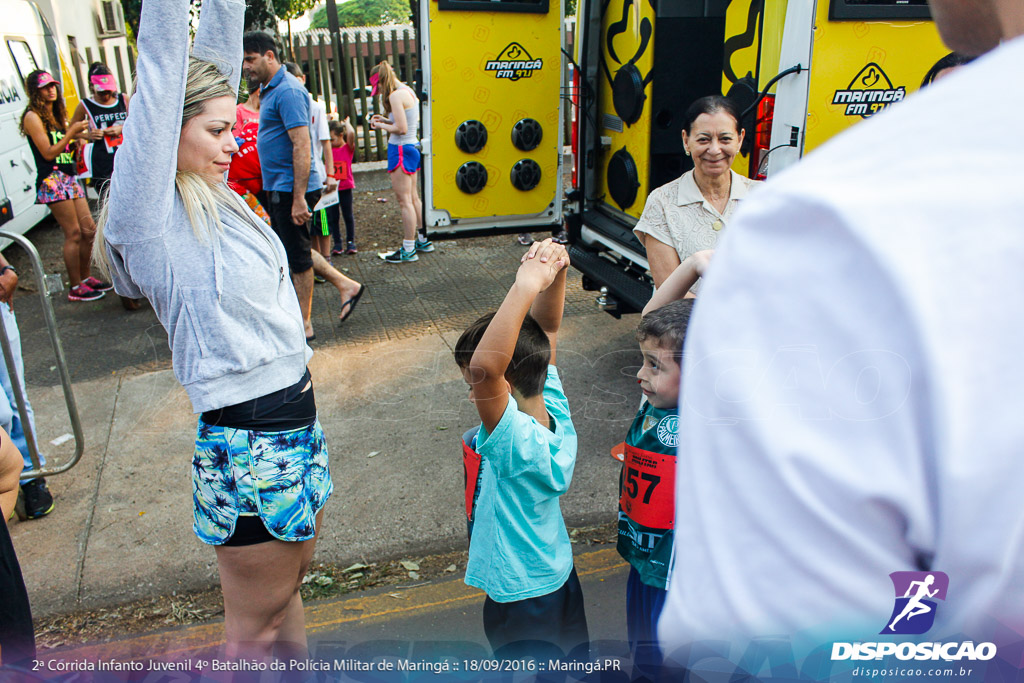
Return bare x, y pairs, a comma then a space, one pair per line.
284, 105
520, 548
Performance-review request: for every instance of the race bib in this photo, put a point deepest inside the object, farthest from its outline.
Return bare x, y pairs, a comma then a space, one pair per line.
648, 494
471, 470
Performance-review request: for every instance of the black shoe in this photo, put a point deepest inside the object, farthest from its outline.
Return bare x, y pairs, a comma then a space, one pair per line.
38, 501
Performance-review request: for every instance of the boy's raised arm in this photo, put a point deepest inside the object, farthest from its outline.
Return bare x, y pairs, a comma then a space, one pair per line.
494, 352
678, 283
547, 307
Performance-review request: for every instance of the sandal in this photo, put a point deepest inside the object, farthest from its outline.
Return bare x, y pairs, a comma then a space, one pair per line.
351, 304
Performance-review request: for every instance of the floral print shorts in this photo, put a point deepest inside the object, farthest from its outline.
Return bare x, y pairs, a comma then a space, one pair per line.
282, 477
59, 187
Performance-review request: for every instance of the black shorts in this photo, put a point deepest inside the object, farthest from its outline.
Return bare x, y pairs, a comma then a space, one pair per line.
295, 238
554, 624
249, 530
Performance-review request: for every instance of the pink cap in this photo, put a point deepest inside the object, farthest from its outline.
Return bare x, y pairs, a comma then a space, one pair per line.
373, 81
103, 82
44, 79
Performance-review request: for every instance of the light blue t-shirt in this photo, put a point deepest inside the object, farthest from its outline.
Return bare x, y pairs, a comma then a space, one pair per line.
520, 548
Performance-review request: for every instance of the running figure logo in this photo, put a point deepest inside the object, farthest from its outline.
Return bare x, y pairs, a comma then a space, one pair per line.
916, 592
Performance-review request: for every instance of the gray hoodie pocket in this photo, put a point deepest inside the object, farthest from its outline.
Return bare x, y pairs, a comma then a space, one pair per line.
235, 335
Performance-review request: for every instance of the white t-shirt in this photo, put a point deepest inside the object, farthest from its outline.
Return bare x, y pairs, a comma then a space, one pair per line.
318, 132
851, 402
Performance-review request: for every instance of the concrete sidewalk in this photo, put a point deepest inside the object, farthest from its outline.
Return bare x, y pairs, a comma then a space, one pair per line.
392, 403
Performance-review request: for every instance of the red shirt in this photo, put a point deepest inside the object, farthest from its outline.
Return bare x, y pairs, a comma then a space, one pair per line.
245, 164
243, 116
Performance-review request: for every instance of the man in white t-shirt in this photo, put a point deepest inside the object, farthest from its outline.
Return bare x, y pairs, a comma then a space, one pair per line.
851, 397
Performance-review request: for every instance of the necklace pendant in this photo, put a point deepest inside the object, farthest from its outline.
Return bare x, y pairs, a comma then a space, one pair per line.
716, 226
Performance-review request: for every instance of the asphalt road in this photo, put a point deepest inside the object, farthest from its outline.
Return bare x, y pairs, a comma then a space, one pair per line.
421, 626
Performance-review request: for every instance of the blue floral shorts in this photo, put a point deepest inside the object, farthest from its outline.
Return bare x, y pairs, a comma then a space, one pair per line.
283, 477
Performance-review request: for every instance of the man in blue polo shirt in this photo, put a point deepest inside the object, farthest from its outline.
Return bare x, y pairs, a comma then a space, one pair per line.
285, 158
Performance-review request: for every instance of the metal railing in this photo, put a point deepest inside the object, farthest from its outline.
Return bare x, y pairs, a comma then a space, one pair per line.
62, 368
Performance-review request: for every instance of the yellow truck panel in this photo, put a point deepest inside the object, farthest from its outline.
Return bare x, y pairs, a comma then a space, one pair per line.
858, 68
497, 68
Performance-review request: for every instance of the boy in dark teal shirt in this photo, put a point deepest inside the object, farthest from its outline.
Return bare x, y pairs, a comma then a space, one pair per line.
647, 482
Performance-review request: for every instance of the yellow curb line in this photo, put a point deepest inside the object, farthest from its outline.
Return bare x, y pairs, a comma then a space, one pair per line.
318, 616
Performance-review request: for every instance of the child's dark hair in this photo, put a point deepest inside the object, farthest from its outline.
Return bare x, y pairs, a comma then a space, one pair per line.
667, 325
336, 128
528, 368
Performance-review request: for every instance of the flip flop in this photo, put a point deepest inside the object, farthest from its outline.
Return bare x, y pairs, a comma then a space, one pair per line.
310, 338
351, 304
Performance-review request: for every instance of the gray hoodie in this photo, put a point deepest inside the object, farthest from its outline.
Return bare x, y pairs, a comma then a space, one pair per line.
229, 308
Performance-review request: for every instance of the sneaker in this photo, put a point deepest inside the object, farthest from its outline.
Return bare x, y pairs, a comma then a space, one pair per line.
424, 245
525, 239
400, 256
38, 501
337, 250
317, 279
84, 292
560, 237
351, 249
97, 284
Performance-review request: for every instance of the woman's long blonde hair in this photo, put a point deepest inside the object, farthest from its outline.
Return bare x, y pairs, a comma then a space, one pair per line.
202, 199
387, 83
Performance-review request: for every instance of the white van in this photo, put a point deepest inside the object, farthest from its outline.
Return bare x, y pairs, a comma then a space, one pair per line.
28, 44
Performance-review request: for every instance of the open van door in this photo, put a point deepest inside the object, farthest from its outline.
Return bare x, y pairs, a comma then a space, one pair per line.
800, 71
492, 136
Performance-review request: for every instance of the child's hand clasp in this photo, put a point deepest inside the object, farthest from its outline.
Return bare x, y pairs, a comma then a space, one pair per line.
541, 264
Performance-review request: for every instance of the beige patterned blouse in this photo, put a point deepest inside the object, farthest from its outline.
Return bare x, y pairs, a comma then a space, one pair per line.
678, 215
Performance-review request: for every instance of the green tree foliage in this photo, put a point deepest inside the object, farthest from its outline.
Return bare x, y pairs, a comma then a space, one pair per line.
365, 13
266, 13
258, 13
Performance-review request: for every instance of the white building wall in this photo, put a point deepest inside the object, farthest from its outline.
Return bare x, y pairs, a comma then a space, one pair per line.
78, 21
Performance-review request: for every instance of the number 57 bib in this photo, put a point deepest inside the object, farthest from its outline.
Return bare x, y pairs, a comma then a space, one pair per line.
648, 492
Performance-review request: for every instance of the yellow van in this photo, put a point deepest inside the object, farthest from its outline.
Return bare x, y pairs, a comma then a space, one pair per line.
803, 70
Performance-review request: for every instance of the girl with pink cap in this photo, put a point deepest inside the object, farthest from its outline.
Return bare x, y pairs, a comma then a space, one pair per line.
44, 122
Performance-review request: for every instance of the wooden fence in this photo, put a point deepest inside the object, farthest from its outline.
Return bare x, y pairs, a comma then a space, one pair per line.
343, 83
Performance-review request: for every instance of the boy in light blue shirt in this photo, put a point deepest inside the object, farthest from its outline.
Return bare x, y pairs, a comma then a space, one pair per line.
519, 462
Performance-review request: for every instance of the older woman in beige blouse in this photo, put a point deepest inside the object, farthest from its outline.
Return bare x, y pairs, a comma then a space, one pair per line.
688, 214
